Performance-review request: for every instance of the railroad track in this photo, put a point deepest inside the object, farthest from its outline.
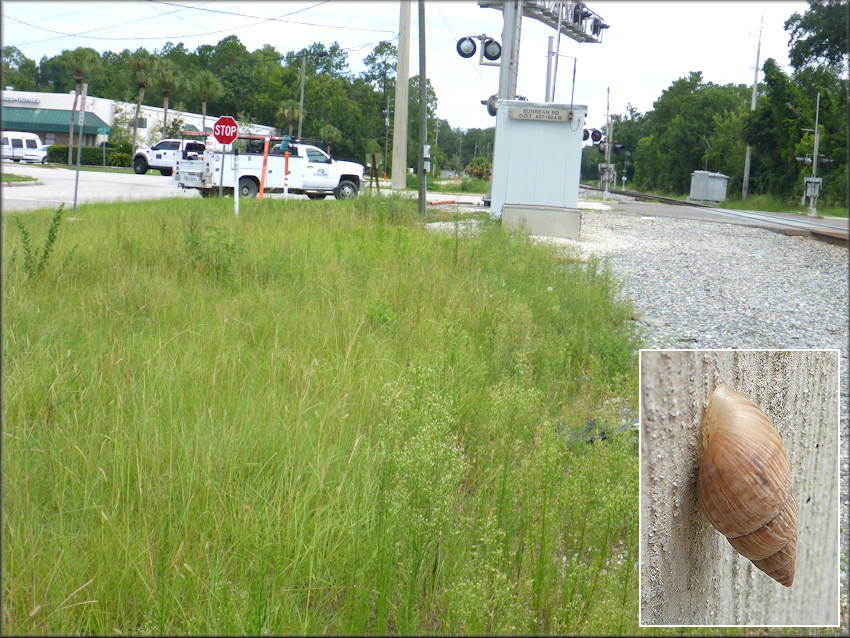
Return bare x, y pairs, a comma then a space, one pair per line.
791, 224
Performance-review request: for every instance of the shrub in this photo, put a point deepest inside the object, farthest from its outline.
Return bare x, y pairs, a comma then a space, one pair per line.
91, 155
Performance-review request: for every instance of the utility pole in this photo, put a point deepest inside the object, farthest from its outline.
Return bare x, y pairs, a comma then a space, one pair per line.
745, 189
301, 100
399, 174
423, 111
609, 140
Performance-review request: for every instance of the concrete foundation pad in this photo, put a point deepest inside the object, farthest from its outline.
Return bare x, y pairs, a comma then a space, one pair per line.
543, 221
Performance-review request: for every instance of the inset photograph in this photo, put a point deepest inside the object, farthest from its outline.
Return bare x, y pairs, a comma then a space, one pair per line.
739, 488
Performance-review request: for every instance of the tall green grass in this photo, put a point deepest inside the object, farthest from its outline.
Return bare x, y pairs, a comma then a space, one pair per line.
318, 417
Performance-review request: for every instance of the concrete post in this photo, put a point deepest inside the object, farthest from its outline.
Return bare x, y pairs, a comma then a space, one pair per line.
690, 574
399, 170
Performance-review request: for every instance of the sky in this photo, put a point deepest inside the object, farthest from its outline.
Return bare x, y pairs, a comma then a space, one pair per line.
647, 46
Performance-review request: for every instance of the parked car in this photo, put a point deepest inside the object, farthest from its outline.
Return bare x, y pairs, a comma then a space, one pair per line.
163, 155
37, 156
15, 143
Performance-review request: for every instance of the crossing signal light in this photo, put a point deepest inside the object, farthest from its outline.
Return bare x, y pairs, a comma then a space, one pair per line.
597, 25
492, 50
617, 147
824, 161
594, 134
807, 161
490, 103
466, 47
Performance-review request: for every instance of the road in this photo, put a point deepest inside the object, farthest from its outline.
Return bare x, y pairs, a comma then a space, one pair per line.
56, 186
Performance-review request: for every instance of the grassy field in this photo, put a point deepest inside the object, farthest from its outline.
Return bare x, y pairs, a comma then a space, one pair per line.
318, 417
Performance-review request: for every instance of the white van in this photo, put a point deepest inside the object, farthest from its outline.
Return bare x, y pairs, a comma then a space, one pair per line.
15, 143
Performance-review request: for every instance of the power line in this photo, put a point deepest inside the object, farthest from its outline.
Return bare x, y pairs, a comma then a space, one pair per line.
262, 20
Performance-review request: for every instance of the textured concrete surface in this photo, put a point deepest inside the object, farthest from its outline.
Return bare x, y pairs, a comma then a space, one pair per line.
689, 574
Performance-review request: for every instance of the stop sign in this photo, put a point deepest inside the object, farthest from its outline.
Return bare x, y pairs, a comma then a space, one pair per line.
225, 129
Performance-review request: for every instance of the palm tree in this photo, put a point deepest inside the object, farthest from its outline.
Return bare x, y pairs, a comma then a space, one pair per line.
208, 87
330, 134
79, 62
287, 115
167, 80
140, 65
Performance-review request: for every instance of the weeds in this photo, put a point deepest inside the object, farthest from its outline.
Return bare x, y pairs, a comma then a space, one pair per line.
35, 261
356, 435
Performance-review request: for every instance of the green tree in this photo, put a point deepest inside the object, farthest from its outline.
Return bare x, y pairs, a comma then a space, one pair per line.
330, 135
167, 79
78, 63
19, 71
207, 86
141, 68
819, 35
287, 116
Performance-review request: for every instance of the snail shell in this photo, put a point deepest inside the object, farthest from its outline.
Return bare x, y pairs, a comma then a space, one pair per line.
744, 484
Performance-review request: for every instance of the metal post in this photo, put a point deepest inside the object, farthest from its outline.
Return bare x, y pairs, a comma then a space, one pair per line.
745, 189
549, 70
80, 122
423, 110
813, 197
557, 48
301, 101
236, 182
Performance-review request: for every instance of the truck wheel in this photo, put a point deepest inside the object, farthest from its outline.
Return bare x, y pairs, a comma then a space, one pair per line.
317, 195
248, 187
346, 190
140, 166
166, 171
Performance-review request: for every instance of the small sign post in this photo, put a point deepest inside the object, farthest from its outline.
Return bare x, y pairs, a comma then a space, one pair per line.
80, 145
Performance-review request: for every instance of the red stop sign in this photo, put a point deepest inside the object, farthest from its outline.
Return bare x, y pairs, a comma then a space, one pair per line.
225, 129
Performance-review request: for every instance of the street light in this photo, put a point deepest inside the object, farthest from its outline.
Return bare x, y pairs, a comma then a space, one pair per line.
321, 54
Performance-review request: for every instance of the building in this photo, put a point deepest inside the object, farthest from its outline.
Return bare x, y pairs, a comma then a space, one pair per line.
49, 115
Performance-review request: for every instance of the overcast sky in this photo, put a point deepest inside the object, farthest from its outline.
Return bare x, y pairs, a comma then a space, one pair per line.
646, 48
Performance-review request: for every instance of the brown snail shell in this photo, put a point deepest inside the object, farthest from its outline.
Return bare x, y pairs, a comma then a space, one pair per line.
744, 484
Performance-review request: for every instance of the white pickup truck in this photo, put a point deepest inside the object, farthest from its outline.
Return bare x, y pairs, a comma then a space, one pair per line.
308, 170
164, 154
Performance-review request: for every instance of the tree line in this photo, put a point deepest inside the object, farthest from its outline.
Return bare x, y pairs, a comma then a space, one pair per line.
698, 125
693, 125
347, 113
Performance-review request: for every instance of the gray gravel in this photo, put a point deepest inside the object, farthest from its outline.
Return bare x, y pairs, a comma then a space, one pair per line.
698, 284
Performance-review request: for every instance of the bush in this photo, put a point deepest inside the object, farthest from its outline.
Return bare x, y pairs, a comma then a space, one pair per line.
91, 155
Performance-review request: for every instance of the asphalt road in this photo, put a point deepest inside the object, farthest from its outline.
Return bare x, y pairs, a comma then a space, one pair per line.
56, 185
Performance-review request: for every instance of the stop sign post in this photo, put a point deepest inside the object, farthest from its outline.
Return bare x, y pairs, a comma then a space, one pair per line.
225, 130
